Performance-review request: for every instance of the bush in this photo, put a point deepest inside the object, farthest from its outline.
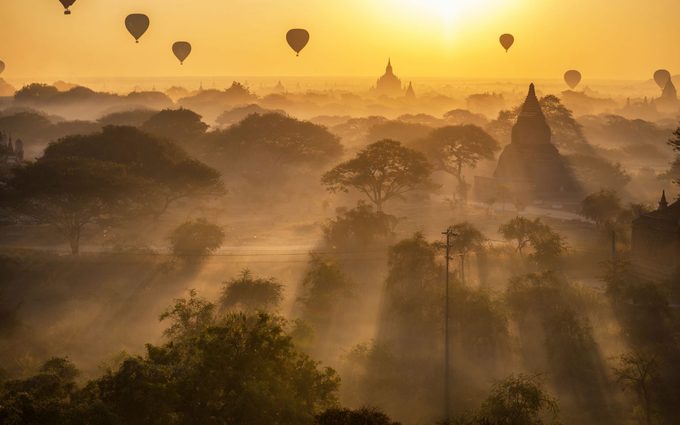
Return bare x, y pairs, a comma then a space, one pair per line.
196, 238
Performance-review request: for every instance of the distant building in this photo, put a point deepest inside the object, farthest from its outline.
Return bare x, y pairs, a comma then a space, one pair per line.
389, 84
656, 242
668, 102
531, 167
11, 153
410, 93
279, 88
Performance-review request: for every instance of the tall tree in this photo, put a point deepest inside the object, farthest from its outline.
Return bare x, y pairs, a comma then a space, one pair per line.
71, 193
452, 148
520, 230
173, 173
383, 171
636, 372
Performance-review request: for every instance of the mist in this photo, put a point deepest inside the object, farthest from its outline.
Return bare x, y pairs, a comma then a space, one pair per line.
339, 250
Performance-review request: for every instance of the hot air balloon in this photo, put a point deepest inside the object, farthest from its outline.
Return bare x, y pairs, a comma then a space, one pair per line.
137, 24
572, 78
297, 39
661, 77
67, 4
181, 49
507, 40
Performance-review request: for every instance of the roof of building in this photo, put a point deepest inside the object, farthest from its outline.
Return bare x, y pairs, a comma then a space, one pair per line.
531, 126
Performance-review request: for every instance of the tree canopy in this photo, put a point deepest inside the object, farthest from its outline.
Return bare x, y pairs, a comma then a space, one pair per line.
182, 126
383, 171
70, 193
173, 174
452, 148
251, 293
277, 138
196, 238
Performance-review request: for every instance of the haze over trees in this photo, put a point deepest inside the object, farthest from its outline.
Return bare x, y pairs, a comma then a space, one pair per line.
339, 283
385, 170
454, 147
171, 173
72, 193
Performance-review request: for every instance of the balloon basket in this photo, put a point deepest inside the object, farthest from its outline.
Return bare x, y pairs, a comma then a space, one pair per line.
67, 12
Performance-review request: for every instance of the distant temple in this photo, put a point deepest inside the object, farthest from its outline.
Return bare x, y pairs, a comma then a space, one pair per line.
279, 88
389, 84
669, 91
410, 93
656, 242
11, 153
668, 102
531, 167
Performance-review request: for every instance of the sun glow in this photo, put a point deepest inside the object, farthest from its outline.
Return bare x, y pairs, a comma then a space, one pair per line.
444, 18
450, 10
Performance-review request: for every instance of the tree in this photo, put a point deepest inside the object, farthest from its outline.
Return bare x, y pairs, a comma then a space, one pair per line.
383, 171
40, 399
226, 369
604, 208
196, 238
674, 141
453, 147
362, 416
466, 240
519, 229
71, 193
325, 292
277, 139
359, 228
173, 173
235, 369
251, 294
547, 245
519, 400
188, 317
133, 118
34, 93
596, 172
405, 132
180, 125
636, 372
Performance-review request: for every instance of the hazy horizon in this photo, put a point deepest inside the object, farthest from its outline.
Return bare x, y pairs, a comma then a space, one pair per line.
430, 38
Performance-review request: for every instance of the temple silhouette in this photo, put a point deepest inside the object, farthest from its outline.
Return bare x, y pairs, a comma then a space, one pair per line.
531, 167
668, 102
389, 84
656, 244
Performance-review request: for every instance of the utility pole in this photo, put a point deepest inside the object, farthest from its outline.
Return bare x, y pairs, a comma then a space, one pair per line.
447, 396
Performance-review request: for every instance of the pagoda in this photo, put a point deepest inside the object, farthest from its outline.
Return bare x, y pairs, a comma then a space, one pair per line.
389, 84
531, 166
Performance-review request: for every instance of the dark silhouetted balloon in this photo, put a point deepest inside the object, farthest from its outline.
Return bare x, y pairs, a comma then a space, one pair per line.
297, 39
2, 66
181, 49
67, 4
572, 78
661, 77
137, 24
507, 40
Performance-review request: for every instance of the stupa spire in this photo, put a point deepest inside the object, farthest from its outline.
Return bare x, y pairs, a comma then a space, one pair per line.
663, 203
531, 126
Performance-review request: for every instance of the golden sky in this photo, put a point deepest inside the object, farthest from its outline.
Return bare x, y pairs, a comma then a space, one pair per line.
605, 39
